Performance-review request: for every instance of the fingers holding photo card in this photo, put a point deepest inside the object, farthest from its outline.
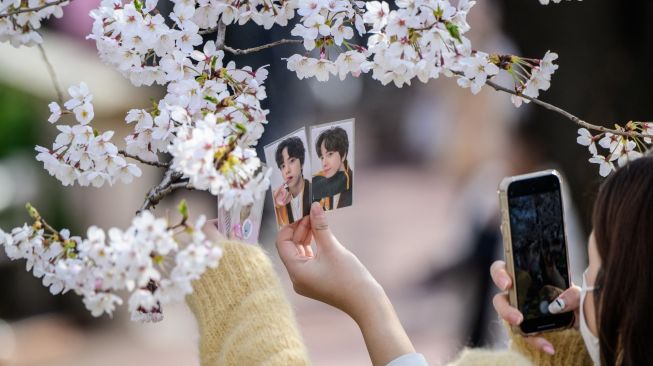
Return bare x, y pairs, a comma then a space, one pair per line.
290, 182
333, 164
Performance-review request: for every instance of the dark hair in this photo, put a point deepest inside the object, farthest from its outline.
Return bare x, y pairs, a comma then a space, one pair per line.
295, 150
335, 139
623, 229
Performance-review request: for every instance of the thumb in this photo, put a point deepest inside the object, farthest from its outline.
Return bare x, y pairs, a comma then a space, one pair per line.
286, 247
567, 301
320, 226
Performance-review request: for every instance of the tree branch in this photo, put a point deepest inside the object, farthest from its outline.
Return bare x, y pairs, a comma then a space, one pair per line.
182, 184
259, 48
36, 8
222, 34
561, 111
164, 188
152, 163
53, 75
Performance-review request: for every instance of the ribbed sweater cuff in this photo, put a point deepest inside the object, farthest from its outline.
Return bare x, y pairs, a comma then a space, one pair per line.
568, 345
242, 313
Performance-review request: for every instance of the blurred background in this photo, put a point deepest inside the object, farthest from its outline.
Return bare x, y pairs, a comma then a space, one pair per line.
429, 159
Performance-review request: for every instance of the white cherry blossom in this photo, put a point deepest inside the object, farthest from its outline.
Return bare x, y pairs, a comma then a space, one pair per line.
55, 112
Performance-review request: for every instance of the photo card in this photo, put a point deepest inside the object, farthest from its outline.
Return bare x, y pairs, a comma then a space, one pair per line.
241, 222
332, 159
290, 181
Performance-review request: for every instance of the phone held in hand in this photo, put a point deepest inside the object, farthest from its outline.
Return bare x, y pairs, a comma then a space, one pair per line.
535, 247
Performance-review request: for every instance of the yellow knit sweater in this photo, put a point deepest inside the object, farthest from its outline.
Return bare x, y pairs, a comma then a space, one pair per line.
244, 319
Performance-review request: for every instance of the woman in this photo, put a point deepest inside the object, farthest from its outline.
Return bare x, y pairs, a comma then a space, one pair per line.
614, 307
244, 319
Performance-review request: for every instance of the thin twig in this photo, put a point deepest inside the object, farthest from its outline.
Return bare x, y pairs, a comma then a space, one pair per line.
36, 8
259, 48
47, 226
153, 163
561, 111
53, 75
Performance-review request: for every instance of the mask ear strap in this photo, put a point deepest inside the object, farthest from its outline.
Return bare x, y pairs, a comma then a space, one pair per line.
586, 288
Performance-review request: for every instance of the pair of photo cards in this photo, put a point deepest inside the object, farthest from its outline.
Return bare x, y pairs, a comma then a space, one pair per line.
309, 165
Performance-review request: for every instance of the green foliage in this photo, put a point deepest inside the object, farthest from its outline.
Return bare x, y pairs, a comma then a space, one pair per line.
183, 209
18, 120
454, 31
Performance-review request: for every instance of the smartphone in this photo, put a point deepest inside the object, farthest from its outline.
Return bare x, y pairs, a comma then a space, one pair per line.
535, 246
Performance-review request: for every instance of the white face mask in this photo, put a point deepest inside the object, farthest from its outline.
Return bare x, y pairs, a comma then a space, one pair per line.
591, 341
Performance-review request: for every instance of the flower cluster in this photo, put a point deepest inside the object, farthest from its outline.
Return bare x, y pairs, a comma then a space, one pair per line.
208, 122
530, 75
20, 19
135, 39
153, 132
209, 155
80, 153
328, 27
265, 13
104, 263
476, 70
420, 39
620, 148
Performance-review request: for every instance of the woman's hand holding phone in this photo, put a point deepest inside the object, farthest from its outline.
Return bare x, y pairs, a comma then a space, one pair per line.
569, 300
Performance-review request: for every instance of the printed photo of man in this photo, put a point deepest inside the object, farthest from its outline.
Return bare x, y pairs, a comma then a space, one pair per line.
292, 199
333, 183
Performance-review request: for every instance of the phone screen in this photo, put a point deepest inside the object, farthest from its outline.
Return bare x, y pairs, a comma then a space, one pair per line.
539, 250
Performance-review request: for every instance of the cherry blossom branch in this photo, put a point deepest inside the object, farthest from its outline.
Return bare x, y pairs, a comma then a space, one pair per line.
222, 33
260, 48
561, 111
53, 75
152, 163
183, 184
36, 8
158, 192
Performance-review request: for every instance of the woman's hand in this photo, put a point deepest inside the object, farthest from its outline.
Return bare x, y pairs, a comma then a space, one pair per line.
333, 275
569, 300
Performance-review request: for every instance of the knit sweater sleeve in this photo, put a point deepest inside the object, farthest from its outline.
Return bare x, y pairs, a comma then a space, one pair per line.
568, 345
242, 314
